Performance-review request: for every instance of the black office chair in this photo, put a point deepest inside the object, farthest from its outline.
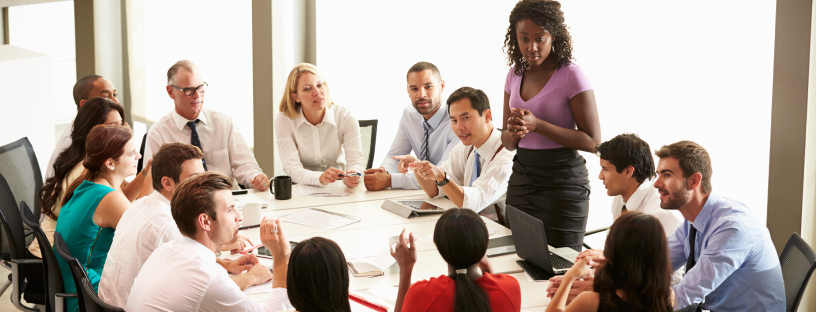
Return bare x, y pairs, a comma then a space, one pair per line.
54, 288
23, 266
92, 299
18, 163
77, 271
139, 164
595, 231
798, 261
368, 136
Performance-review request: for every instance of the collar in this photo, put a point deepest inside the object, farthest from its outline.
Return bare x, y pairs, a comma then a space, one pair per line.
637, 197
328, 117
181, 122
488, 149
207, 255
701, 221
436, 120
159, 197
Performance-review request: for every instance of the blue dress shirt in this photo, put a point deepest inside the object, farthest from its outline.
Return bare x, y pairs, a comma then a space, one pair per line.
409, 138
737, 267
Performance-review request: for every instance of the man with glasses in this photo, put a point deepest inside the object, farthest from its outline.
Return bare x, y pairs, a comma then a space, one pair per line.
225, 149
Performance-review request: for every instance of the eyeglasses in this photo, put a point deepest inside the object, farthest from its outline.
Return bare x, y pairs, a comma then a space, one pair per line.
189, 91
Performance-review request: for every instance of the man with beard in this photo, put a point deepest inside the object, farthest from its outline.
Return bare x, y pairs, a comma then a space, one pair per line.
424, 129
730, 260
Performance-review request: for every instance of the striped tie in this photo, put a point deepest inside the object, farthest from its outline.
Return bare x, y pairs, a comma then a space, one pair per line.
423, 151
195, 141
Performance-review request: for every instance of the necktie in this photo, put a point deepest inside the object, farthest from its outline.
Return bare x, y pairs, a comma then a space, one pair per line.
624, 210
423, 150
692, 237
195, 141
477, 168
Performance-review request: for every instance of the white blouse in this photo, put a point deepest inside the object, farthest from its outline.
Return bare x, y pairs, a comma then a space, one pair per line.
307, 150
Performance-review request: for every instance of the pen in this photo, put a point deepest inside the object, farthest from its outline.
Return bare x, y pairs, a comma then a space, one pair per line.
336, 214
351, 174
249, 227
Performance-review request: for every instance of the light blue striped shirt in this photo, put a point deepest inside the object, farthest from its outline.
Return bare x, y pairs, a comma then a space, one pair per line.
409, 138
737, 268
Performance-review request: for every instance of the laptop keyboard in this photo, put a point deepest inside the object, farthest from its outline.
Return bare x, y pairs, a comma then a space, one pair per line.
559, 262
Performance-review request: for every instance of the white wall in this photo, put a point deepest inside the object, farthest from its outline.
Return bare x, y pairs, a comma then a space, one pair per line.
668, 71
27, 107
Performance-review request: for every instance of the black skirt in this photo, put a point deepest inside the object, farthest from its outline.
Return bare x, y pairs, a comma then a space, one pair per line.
553, 186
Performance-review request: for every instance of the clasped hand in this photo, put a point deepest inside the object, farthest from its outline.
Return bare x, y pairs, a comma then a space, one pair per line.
520, 122
333, 174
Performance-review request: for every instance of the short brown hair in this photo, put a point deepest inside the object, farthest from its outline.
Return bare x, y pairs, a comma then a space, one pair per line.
194, 197
693, 158
168, 160
183, 64
83, 87
422, 66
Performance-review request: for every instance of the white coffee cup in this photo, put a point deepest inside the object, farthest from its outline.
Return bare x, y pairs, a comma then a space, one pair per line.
252, 214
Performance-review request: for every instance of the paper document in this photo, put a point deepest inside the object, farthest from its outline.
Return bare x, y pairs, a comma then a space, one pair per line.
386, 295
337, 189
372, 267
320, 218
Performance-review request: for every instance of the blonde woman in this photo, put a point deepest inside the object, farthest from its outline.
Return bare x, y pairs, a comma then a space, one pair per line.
319, 142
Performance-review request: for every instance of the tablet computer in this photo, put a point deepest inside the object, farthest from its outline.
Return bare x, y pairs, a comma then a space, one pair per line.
421, 206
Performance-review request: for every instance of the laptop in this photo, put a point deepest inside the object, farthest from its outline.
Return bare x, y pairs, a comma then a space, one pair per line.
540, 263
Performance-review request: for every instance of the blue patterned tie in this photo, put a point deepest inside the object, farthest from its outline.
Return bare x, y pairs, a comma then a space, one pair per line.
195, 141
477, 168
423, 151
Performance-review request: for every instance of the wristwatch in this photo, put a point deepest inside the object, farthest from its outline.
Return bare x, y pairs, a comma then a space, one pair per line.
444, 182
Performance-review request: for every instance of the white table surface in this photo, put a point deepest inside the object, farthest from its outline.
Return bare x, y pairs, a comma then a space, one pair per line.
370, 236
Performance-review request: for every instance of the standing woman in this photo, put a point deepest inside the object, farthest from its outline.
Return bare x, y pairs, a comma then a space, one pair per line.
94, 203
318, 141
550, 115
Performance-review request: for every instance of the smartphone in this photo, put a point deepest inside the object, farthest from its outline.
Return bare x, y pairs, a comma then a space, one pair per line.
265, 253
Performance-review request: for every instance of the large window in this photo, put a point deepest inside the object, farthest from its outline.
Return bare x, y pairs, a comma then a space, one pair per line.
666, 71
215, 35
57, 40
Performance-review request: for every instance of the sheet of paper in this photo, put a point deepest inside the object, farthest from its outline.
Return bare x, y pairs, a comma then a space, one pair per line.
337, 189
319, 219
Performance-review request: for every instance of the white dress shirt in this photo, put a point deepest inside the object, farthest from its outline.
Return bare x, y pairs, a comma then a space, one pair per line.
145, 226
646, 199
307, 150
182, 275
491, 185
410, 135
224, 148
63, 143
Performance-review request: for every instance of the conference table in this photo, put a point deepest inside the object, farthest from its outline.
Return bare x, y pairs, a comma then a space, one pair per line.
370, 236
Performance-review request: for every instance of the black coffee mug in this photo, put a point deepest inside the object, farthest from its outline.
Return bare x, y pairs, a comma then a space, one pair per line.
283, 187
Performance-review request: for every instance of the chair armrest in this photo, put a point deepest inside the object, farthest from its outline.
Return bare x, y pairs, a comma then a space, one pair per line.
66, 295
595, 231
26, 261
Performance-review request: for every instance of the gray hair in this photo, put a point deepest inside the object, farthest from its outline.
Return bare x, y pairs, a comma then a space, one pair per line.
183, 64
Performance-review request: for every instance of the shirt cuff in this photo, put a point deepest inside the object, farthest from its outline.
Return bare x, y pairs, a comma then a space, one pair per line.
471, 199
404, 181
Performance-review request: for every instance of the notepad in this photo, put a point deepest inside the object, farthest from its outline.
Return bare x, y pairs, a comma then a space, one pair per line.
372, 267
320, 218
331, 190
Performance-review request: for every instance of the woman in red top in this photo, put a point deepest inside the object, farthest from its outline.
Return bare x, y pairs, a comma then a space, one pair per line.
461, 238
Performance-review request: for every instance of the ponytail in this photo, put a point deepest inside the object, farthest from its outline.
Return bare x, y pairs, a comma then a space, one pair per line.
469, 296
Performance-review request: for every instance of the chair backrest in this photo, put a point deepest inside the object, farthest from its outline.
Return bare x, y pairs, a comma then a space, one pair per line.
368, 136
19, 165
141, 152
11, 223
77, 271
53, 274
798, 261
92, 300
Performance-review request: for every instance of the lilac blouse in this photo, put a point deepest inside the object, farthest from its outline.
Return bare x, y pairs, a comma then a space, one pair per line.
551, 104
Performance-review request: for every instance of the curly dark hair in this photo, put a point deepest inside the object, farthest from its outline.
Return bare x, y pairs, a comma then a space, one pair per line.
548, 15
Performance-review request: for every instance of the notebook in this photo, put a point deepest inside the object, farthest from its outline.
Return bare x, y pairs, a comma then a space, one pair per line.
372, 266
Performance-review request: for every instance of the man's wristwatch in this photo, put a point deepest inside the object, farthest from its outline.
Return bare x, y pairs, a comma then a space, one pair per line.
444, 182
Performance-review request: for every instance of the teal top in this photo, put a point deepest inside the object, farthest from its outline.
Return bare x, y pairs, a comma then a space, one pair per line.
87, 242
